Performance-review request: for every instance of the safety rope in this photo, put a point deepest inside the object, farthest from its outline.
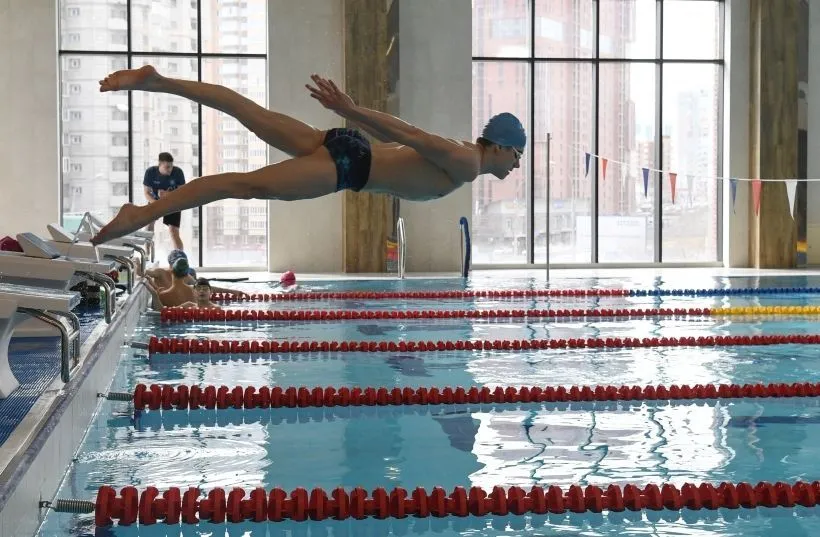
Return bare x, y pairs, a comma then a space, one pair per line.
204, 346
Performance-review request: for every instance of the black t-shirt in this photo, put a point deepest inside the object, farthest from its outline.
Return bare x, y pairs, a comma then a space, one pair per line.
156, 181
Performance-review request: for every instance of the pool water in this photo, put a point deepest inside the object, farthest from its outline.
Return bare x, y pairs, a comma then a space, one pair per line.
472, 445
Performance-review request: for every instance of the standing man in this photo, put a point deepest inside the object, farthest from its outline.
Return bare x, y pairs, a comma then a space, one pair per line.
158, 181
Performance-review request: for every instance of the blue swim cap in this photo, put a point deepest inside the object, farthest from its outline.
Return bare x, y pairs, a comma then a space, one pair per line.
504, 129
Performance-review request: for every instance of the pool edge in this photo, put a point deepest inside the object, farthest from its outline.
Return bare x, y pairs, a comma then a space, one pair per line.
37, 471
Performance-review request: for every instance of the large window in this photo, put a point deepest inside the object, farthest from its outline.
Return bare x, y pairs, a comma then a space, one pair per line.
632, 104
110, 139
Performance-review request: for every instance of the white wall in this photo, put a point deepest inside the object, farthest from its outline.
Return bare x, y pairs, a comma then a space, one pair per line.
29, 116
736, 134
435, 93
304, 37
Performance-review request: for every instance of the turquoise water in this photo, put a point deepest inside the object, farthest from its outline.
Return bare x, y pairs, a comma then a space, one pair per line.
462, 445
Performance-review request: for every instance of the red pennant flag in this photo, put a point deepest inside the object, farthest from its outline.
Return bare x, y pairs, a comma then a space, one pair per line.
673, 180
757, 185
604, 163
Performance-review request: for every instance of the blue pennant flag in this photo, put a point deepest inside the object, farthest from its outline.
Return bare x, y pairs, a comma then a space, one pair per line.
733, 188
645, 181
586, 170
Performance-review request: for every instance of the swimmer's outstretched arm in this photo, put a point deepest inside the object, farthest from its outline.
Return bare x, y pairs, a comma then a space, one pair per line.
376, 133
438, 149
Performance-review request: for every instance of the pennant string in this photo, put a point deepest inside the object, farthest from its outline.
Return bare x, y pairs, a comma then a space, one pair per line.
607, 160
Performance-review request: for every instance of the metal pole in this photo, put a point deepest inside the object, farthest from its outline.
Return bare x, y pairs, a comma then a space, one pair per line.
402, 245
547, 206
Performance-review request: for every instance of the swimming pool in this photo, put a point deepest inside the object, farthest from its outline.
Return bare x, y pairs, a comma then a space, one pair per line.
517, 444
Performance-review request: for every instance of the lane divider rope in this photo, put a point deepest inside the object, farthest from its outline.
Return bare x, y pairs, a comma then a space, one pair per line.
505, 293
165, 345
169, 397
259, 505
189, 315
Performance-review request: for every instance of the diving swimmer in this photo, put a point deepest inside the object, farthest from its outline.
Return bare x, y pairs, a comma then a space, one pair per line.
411, 164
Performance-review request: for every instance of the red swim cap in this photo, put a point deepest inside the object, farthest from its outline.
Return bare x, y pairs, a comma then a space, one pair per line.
288, 278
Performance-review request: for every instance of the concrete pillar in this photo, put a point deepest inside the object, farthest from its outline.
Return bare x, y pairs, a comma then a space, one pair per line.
367, 218
773, 130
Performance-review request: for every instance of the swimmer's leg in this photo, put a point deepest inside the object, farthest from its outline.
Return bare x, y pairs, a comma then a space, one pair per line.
283, 132
300, 178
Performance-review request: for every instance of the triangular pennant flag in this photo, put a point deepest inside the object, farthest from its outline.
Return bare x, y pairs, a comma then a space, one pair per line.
757, 186
603, 164
645, 181
791, 189
673, 179
586, 163
733, 189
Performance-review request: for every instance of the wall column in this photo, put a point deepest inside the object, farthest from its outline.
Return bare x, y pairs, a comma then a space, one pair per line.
367, 218
773, 126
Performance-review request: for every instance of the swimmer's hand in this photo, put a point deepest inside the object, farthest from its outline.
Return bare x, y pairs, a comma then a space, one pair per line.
329, 95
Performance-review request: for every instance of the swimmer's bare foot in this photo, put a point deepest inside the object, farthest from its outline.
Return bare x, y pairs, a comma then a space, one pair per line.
144, 78
127, 221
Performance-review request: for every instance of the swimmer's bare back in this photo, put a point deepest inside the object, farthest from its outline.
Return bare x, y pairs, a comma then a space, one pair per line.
401, 171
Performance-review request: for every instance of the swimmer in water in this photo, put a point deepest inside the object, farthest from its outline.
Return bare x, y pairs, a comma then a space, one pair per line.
162, 278
202, 291
413, 164
178, 293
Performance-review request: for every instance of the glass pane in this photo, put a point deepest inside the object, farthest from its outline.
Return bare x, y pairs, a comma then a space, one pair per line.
164, 26
94, 135
626, 138
501, 29
690, 124
232, 27
236, 231
564, 29
167, 123
564, 98
683, 19
88, 25
500, 230
628, 29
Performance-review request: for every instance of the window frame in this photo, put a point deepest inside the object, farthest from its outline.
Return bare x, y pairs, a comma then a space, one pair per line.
130, 53
595, 60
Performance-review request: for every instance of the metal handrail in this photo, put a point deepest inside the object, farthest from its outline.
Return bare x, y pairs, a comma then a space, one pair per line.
142, 252
75, 325
129, 271
402, 237
69, 341
466, 246
110, 293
